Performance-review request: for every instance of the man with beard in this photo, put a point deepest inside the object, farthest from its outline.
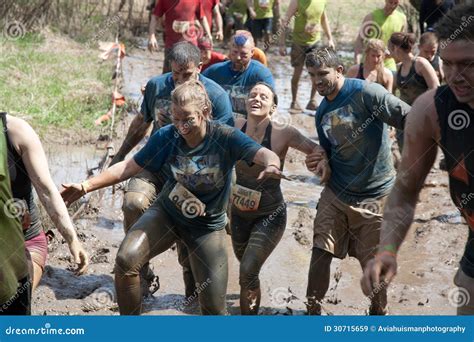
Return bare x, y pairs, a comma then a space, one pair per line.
352, 127
238, 75
142, 190
441, 117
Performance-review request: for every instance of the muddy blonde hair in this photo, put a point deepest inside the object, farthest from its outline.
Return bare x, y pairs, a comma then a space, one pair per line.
377, 45
193, 93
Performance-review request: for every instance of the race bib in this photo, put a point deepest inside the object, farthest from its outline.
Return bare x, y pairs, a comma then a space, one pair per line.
180, 26
189, 205
245, 199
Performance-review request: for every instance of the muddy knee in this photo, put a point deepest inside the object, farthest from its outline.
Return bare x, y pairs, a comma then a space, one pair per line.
134, 205
248, 278
129, 262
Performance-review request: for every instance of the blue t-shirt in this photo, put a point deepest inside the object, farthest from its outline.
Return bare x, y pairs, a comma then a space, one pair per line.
237, 83
352, 129
156, 105
206, 170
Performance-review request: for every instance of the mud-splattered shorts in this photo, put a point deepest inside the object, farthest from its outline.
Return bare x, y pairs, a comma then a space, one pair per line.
342, 229
37, 249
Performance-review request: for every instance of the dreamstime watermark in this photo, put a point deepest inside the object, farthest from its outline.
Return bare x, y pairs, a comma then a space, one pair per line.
375, 114
464, 24
15, 208
199, 289
107, 24
371, 207
274, 214
46, 330
369, 30
193, 31
192, 207
14, 30
281, 296
281, 120
25, 287
458, 119
458, 297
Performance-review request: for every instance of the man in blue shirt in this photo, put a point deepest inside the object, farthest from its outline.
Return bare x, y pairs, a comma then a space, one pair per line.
238, 75
142, 190
352, 127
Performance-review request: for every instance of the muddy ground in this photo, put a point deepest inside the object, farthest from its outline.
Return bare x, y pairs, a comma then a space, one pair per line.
427, 262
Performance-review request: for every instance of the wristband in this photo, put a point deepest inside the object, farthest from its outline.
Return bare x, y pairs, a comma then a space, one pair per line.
386, 253
85, 186
389, 248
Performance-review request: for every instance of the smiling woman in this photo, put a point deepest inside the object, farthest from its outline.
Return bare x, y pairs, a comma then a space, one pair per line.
198, 156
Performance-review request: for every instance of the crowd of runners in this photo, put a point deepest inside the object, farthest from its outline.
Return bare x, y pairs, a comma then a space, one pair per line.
214, 161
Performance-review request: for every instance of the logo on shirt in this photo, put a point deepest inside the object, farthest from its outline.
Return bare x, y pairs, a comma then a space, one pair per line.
338, 125
199, 173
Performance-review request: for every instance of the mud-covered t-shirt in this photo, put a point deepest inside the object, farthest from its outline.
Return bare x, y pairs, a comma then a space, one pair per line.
181, 20
352, 129
13, 265
156, 105
238, 83
205, 170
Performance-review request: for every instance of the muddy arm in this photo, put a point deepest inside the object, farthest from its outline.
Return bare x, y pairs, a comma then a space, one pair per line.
135, 134
34, 158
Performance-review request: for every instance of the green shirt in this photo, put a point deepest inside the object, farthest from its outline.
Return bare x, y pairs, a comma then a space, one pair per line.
307, 29
386, 26
239, 7
263, 8
12, 248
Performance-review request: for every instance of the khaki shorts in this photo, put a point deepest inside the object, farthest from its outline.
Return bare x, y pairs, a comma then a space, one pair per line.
298, 53
342, 229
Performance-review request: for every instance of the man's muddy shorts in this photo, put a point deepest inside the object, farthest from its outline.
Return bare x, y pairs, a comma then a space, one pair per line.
298, 53
145, 183
342, 229
259, 25
37, 249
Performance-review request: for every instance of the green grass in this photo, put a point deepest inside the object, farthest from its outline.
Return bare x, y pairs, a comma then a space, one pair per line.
53, 82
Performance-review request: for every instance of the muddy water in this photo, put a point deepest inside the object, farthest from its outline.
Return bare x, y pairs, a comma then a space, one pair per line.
427, 259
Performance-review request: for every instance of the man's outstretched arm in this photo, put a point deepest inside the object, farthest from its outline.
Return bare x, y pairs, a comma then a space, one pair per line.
419, 154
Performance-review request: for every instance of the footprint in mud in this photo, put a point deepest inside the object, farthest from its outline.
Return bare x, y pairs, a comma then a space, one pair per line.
103, 297
303, 227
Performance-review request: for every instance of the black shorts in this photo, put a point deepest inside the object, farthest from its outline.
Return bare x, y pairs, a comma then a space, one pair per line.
259, 25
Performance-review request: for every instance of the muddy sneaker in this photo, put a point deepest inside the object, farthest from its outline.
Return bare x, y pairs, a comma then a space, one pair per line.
376, 311
312, 105
150, 283
295, 108
442, 164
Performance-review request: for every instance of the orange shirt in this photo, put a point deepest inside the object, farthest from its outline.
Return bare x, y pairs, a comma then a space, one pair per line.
259, 55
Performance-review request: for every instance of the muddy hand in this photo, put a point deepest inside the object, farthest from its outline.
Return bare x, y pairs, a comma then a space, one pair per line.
71, 193
323, 170
80, 257
313, 159
380, 269
152, 44
270, 171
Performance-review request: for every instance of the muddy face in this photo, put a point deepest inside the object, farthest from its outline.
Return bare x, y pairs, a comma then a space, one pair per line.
183, 73
325, 78
260, 101
241, 56
187, 119
374, 57
390, 6
205, 56
428, 51
458, 67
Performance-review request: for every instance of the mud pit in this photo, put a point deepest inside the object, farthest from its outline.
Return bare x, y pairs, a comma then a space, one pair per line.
427, 261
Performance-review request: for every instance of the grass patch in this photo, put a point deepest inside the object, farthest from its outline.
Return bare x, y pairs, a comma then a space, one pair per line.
53, 82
